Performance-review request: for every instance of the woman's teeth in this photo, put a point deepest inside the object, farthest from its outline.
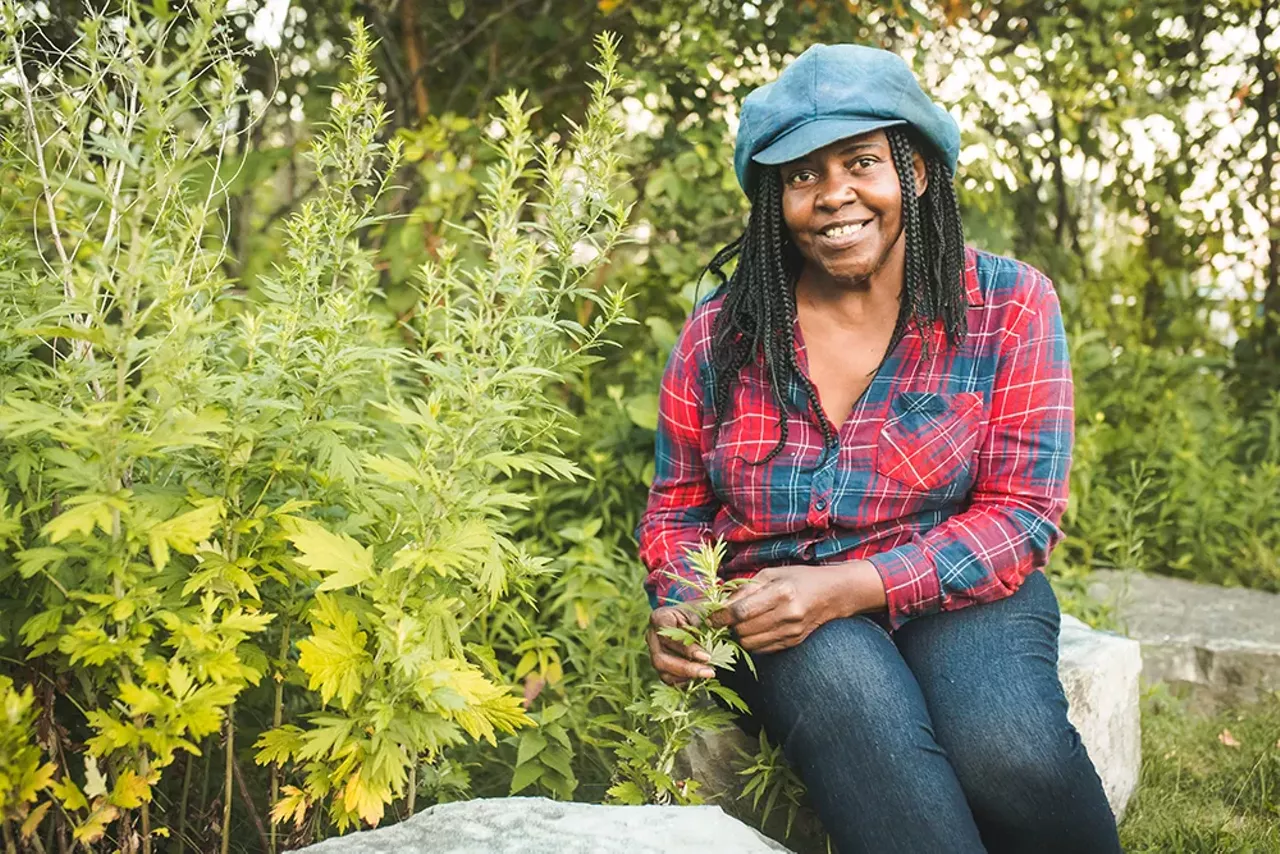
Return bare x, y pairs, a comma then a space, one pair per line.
842, 230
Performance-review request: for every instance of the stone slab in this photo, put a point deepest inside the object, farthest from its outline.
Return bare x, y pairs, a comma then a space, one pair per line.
1217, 646
541, 826
1100, 674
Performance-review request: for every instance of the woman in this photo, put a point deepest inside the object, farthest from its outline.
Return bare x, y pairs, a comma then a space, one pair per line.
878, 420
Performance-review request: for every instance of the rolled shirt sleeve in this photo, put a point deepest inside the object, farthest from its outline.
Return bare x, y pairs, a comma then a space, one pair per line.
984, 552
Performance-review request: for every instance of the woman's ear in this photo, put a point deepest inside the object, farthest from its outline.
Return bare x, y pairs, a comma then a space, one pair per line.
922, 174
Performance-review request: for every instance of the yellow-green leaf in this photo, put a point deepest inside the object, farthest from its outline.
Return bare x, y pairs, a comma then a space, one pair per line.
32, 821
336, 660
346, 562
95, 825
292, 805
131, 790
183, 532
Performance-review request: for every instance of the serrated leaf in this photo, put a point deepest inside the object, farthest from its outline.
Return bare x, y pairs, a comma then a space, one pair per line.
95, 511
729, 696
346, 562
293, 805
93, 828
336, 660
278, 745
130, 791
626, 793
69, 794
183, 532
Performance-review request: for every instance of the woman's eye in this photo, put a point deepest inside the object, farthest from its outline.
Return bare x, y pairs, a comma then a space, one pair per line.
864, 162
798, 177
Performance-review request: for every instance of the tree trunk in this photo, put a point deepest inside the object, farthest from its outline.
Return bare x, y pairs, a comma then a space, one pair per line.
413, 56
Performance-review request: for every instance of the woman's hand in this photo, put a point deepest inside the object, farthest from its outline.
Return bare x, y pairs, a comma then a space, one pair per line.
674, 661
782, 605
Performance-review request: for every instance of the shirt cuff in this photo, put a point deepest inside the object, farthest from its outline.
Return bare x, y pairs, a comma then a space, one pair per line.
911, 586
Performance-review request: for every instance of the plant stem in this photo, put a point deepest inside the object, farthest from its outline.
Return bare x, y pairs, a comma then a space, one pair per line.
204, 777
229, 773
182, 804
146, 806
248, 802
413, 787
9, 847
277, 717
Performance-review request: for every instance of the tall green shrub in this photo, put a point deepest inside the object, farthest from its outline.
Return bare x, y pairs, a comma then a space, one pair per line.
201, 492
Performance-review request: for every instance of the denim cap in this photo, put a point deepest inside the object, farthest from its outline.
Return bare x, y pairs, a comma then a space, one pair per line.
832, 92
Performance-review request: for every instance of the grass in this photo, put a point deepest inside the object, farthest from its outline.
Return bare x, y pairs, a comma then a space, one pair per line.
1209, 783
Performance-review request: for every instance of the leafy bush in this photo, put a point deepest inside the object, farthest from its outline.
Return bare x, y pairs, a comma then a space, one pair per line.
203, 492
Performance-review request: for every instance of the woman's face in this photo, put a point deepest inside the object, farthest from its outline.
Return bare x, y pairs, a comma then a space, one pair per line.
843, 206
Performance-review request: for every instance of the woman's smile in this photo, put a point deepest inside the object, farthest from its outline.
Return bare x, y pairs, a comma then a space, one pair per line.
843, 235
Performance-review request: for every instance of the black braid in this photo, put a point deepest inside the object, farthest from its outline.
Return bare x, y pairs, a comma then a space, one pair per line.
759, 310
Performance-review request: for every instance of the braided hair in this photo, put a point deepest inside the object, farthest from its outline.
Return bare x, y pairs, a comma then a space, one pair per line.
759, 310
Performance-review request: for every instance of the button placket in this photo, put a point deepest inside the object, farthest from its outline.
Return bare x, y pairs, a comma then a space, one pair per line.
820, 494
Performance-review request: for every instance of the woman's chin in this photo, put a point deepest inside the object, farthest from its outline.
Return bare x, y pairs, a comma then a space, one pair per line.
848, 270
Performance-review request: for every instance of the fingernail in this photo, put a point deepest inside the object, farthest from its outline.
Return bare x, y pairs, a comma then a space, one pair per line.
707, 673
702, 656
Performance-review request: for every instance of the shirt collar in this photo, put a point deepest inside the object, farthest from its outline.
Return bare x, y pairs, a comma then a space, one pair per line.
972, 288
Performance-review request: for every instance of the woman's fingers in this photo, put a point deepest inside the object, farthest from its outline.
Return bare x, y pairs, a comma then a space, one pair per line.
677, 618
783, 636
672, 665
752, 601
680, 648
674, 660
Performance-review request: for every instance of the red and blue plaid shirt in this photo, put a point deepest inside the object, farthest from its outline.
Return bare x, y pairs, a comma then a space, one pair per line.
949, 475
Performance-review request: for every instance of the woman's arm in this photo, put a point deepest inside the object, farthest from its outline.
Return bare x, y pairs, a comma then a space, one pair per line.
1019, 493
682, 504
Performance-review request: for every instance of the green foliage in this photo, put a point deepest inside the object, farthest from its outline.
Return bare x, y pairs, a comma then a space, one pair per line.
664, 721
23, 774
771, 783
1172, 473
194, 481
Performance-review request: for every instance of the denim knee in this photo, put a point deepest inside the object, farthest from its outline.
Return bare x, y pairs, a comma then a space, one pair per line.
845, 678
1018, 774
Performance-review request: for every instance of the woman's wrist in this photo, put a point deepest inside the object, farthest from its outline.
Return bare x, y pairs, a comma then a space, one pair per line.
858, 588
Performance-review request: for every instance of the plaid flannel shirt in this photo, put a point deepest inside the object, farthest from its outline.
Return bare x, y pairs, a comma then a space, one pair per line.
949, 475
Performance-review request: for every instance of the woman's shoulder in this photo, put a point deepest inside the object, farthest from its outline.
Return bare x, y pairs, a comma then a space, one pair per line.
1007, 284
694, 343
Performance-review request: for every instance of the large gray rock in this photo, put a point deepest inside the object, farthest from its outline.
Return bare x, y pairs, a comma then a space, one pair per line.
1099, 673
1217, 646
540, 826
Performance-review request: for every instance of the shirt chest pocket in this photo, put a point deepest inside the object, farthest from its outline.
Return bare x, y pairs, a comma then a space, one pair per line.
928, 439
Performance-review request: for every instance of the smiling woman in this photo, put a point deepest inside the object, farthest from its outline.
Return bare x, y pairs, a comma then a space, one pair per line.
877, 420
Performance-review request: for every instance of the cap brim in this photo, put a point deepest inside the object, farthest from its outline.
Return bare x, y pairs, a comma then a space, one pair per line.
810, 137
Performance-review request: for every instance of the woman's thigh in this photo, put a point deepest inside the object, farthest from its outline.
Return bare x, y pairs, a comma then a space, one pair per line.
853, 722
989, 678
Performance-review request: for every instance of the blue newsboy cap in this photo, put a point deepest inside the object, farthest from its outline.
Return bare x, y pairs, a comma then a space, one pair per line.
831, 92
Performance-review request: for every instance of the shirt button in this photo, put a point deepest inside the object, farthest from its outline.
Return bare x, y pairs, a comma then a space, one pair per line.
820, 504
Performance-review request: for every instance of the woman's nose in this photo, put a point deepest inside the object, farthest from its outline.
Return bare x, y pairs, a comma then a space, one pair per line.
836, 191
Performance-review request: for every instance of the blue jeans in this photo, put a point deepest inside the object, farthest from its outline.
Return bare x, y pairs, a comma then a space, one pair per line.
950, 735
